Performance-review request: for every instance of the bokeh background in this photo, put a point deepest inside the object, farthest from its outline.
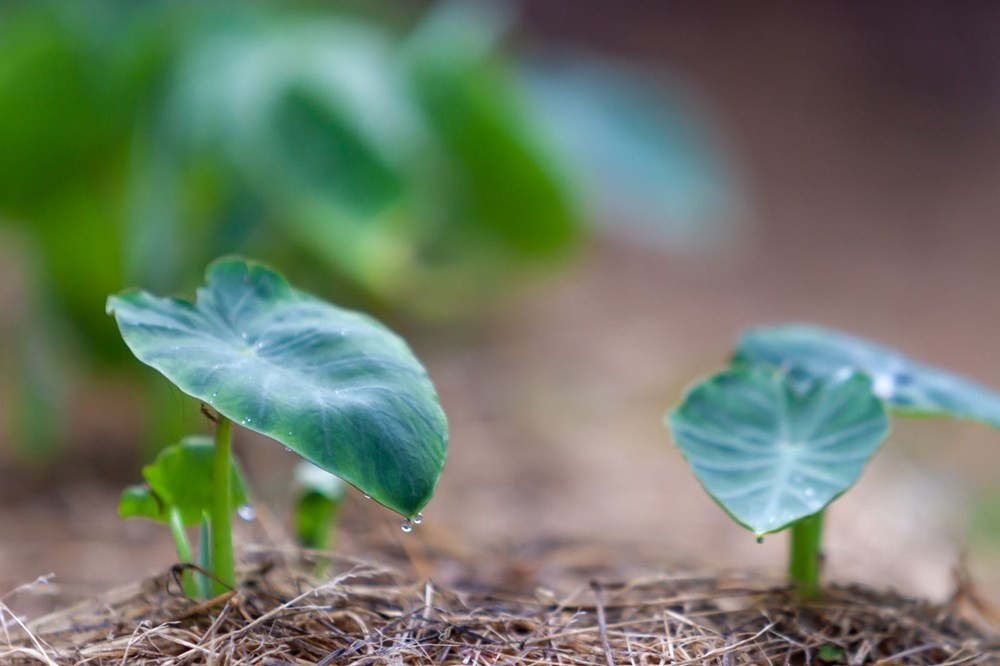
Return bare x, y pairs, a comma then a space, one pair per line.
570, 209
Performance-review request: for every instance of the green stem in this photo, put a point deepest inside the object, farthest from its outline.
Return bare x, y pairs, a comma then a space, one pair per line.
805, 563
183, 551
204, 558
223, 565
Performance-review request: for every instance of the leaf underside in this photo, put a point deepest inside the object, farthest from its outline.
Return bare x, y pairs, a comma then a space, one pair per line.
333, 385
908, 386
771, 453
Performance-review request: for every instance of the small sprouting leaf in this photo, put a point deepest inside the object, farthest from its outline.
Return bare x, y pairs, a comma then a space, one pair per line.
181, 477
312, 479
908, 386
832, 653
139, 501
333, 385
319, 495
771, 452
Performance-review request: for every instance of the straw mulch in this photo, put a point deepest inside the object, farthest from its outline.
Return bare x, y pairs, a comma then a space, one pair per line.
367, 614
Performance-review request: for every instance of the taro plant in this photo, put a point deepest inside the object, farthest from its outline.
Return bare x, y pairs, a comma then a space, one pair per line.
791, 424
332, 385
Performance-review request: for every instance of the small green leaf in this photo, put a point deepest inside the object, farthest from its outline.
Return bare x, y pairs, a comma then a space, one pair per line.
139, 501
771, 453
832, 653
908, 386
333, 385
318, 499
312, 479
181, 476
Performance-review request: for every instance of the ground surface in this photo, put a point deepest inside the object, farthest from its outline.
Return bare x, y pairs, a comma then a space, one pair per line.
871, 207
357, 612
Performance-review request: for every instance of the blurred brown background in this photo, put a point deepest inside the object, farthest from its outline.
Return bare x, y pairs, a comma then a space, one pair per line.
864, 141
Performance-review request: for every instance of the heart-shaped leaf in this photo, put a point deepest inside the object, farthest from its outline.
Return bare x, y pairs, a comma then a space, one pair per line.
180, 477
335, 386
907, 385
771, 453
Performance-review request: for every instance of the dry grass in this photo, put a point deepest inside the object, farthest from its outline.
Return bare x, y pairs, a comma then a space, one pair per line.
370, 614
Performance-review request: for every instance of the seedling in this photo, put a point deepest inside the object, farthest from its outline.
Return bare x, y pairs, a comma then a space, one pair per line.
791, 424
332, 385
178, 492
318, 498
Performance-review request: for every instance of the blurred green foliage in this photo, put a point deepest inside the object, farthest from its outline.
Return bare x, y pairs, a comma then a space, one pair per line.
405, 162
983, 528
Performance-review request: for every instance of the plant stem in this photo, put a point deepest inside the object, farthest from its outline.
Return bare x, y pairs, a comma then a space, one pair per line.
223, 565
205, 557
805, 562
183, 552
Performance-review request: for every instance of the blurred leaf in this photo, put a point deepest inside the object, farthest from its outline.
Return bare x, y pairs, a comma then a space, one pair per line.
908, 386
770, 454
180, 477
333, 385
53, 58
984, 517
319, 496
641, 150
140, 501
311, 479
506, 183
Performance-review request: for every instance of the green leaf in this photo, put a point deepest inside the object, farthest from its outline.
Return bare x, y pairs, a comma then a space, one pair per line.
832, 653
139, 501
181, 476
333, 385
641, 150
318, 499
507, 189
312, 479
770, 452
908, 386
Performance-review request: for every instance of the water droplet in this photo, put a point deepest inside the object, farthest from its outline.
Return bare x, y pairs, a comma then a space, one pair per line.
760, 539
417, 519
288, 450
368, 496
246, 512
407, 526
248, 420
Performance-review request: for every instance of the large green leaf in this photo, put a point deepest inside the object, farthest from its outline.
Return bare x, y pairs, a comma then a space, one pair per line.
771, 452
333, 385
907, 385
180, 477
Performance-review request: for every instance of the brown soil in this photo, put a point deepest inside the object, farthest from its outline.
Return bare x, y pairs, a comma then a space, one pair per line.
368, 614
